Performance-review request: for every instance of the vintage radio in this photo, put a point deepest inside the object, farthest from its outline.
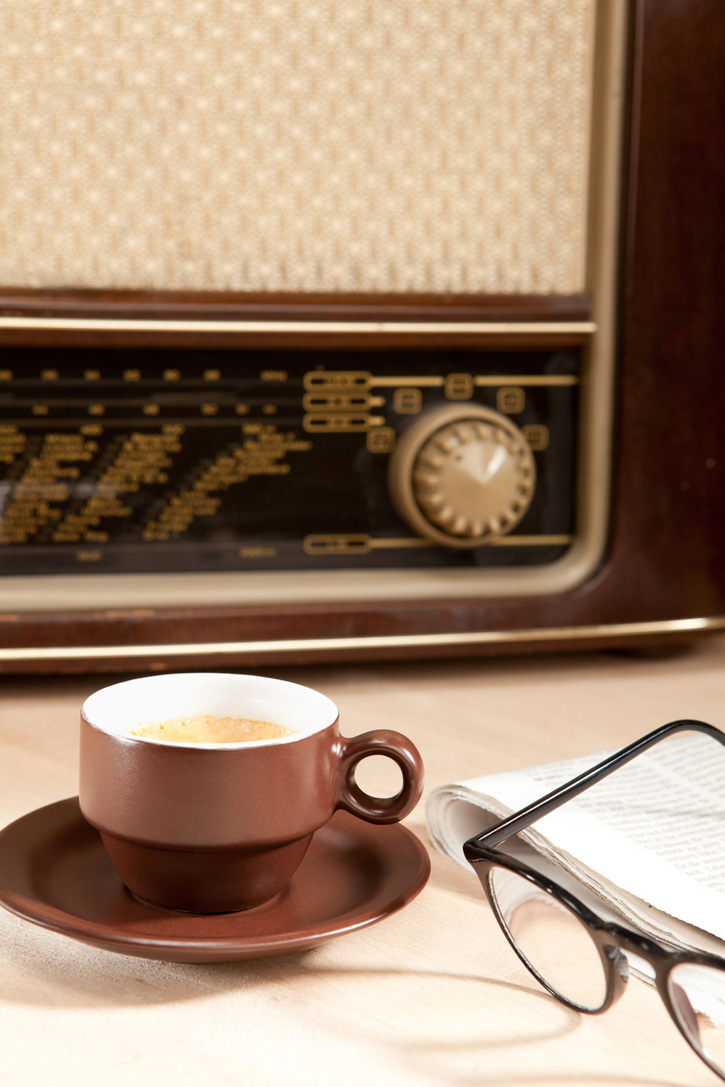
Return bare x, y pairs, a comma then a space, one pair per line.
371, 329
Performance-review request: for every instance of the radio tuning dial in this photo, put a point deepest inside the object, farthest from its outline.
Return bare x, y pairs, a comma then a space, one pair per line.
461, 475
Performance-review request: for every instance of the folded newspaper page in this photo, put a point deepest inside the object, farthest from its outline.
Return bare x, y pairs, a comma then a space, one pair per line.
648, 841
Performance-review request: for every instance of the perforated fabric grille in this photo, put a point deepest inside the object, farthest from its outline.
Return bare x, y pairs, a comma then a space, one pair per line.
295, 145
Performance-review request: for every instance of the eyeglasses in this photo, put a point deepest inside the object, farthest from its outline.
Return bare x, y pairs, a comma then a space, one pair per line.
577, 955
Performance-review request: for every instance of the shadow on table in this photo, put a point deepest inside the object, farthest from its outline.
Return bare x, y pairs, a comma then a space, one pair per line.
443, 1022
46, 969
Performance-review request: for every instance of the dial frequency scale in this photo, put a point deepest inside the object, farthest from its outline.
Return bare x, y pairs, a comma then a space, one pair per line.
267, 460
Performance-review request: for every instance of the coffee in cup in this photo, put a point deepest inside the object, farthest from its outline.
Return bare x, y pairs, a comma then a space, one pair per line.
209, 730
206, 826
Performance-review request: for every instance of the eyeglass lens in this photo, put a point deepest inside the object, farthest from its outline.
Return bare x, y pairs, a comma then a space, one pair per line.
550, 938
698, 995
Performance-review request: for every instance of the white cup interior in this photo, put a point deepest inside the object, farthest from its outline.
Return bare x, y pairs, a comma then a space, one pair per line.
124, 706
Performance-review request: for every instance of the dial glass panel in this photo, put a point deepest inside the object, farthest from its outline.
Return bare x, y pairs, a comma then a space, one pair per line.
143, 459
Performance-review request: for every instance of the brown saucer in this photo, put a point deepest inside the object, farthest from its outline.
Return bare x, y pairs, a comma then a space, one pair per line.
54, 872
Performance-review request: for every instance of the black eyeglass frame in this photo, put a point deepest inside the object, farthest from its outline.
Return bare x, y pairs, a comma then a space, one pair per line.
611, 939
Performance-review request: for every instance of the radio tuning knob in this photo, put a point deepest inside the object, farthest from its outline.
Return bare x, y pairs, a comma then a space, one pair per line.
461, 475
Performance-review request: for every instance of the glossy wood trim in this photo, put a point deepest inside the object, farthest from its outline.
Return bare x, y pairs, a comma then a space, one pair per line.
206, 306
186, 319
186, 332
156, 657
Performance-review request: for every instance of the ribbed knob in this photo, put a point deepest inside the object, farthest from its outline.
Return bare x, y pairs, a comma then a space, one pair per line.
462, 475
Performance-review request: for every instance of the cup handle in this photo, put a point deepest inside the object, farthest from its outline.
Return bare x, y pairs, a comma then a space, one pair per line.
376, 809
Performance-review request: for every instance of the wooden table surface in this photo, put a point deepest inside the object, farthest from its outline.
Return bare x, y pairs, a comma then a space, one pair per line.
430, 996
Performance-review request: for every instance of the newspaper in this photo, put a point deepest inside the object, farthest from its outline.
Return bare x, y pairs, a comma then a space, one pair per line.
648, 841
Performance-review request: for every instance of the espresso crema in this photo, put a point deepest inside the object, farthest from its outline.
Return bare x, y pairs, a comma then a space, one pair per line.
209, 730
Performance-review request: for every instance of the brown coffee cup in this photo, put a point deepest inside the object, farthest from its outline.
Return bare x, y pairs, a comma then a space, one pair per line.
211, 828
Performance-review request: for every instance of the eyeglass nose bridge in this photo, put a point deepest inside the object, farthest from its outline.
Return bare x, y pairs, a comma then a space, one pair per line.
619, 971
636, 944
618, 944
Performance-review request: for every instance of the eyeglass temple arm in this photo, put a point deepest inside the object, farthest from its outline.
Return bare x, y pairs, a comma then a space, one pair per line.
520, 820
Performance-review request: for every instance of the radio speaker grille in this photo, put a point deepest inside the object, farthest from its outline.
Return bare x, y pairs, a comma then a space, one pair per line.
387, 146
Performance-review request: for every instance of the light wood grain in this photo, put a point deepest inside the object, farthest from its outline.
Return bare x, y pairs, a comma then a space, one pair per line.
431, 996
